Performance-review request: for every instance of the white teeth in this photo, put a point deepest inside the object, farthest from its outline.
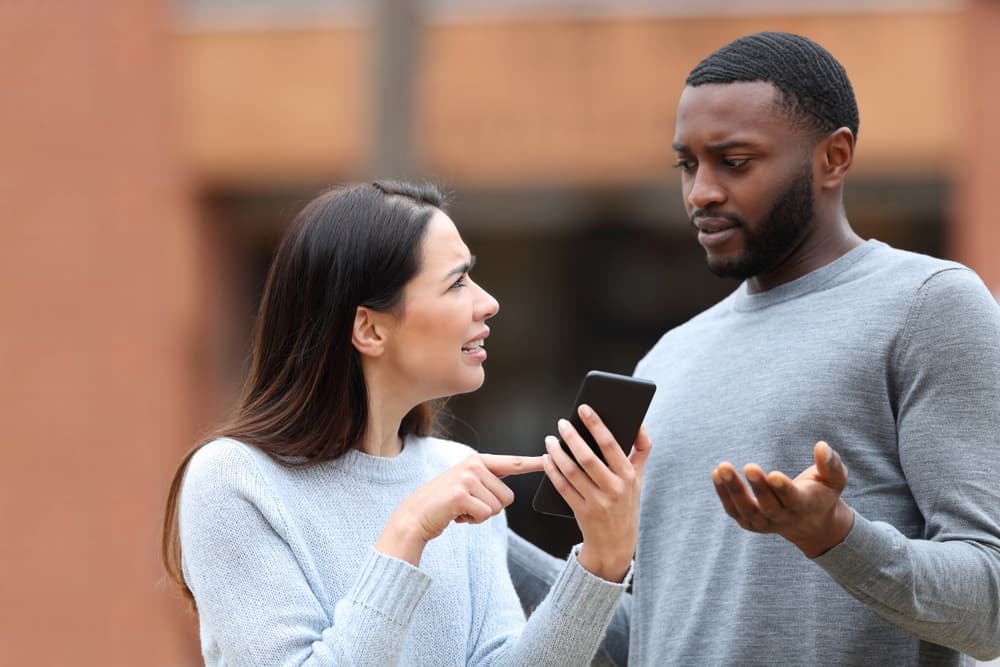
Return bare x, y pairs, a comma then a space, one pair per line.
473, 345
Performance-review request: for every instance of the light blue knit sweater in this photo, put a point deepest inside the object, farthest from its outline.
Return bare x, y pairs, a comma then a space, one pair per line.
281, 563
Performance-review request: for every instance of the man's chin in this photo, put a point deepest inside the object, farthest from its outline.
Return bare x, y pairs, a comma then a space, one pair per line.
727, 266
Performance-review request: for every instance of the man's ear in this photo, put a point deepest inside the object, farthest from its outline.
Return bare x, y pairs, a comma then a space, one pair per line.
836, 158
368, 335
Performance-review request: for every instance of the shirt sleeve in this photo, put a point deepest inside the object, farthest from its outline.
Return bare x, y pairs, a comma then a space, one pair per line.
565, 629
944, 586
255, 604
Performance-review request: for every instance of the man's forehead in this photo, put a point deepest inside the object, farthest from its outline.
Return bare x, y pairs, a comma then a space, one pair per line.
722, 109
757, 96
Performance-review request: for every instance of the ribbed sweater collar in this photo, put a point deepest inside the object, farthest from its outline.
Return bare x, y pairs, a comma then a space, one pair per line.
386, 469
743, 301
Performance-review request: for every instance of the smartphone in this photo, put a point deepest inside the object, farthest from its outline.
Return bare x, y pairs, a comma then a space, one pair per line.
621, 402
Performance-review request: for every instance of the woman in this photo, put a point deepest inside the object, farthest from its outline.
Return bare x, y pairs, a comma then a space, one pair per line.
324, 525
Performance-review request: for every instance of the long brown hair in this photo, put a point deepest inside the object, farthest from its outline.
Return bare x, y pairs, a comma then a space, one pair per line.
305, 394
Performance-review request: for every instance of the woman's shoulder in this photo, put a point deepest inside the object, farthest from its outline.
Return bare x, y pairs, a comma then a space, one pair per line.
221, 452
223, 462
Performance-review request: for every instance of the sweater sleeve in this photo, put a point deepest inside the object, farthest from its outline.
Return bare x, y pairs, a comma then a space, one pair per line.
944, 585
534, 571
255, 603
565, 629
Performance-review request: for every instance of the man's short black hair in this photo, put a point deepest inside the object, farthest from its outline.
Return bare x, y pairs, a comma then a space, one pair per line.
814, 86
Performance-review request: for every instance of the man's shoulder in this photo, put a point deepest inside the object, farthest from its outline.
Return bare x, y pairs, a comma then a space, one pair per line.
904, 274
907, 263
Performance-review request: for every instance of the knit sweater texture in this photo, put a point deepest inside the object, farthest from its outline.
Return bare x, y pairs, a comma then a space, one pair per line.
281, 562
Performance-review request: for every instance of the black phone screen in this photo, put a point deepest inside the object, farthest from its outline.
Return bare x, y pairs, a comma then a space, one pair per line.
621, 402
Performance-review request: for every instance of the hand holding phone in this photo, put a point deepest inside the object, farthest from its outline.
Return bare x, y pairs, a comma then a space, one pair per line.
621, 403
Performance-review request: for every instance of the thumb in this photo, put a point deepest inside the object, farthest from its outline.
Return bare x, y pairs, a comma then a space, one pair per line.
640, 451
830, 466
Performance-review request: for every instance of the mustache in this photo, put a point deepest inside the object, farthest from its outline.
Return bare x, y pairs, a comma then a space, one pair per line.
703, 213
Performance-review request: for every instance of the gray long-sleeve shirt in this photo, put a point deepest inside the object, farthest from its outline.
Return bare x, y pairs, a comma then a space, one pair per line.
894, 359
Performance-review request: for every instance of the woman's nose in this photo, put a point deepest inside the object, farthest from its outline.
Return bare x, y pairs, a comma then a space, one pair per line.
486, 306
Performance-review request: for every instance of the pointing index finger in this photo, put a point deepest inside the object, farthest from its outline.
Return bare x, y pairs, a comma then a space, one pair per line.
503, 465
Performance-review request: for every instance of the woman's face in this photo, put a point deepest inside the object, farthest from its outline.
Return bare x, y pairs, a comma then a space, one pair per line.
435, 345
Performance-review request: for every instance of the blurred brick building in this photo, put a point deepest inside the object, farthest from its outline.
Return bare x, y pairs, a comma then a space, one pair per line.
151, 154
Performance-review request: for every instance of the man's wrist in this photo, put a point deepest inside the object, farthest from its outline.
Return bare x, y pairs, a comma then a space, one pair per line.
832, 533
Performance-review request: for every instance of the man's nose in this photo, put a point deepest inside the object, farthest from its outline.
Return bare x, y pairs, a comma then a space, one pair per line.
704, 190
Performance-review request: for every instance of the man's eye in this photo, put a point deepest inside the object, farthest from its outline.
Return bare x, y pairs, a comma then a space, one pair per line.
736, 162
684, 165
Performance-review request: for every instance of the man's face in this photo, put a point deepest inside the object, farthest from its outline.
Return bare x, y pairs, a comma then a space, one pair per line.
746, 176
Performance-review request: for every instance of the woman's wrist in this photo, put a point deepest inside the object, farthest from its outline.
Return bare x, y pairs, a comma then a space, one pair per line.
401, 540
610, 567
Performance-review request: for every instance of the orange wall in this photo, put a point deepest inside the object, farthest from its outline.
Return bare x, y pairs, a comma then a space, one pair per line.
507, 102
277, 105
595, 101
97, 269
975, 229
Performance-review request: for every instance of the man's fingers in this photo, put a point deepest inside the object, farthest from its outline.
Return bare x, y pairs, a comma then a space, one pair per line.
742, 502
784, 488
830, 466
503, 465
723, 492
768, 502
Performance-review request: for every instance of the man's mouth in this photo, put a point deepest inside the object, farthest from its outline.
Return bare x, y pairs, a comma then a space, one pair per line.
713, 225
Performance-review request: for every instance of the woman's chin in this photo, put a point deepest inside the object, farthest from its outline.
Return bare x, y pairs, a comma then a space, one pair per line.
474, 381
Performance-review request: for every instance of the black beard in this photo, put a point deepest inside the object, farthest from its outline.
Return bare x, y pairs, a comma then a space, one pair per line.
784, 227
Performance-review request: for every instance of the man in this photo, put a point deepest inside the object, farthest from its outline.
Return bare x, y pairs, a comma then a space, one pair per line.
870, 373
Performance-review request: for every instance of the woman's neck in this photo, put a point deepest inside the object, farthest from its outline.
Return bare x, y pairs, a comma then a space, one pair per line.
385, 414
381, 441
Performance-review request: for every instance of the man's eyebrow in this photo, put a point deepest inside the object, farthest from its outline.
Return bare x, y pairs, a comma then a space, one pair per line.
720, 147
465, 267
728, 145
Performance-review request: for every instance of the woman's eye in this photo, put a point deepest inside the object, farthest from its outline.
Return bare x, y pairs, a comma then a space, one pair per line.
459, 283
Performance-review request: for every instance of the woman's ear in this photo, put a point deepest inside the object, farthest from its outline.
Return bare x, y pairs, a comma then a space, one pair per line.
835, 160
368, 335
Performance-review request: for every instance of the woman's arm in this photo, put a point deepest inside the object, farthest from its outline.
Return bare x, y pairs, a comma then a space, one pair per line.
566, 628
534, 571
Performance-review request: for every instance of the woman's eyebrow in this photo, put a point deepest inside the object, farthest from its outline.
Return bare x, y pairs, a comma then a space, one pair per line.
461, 268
